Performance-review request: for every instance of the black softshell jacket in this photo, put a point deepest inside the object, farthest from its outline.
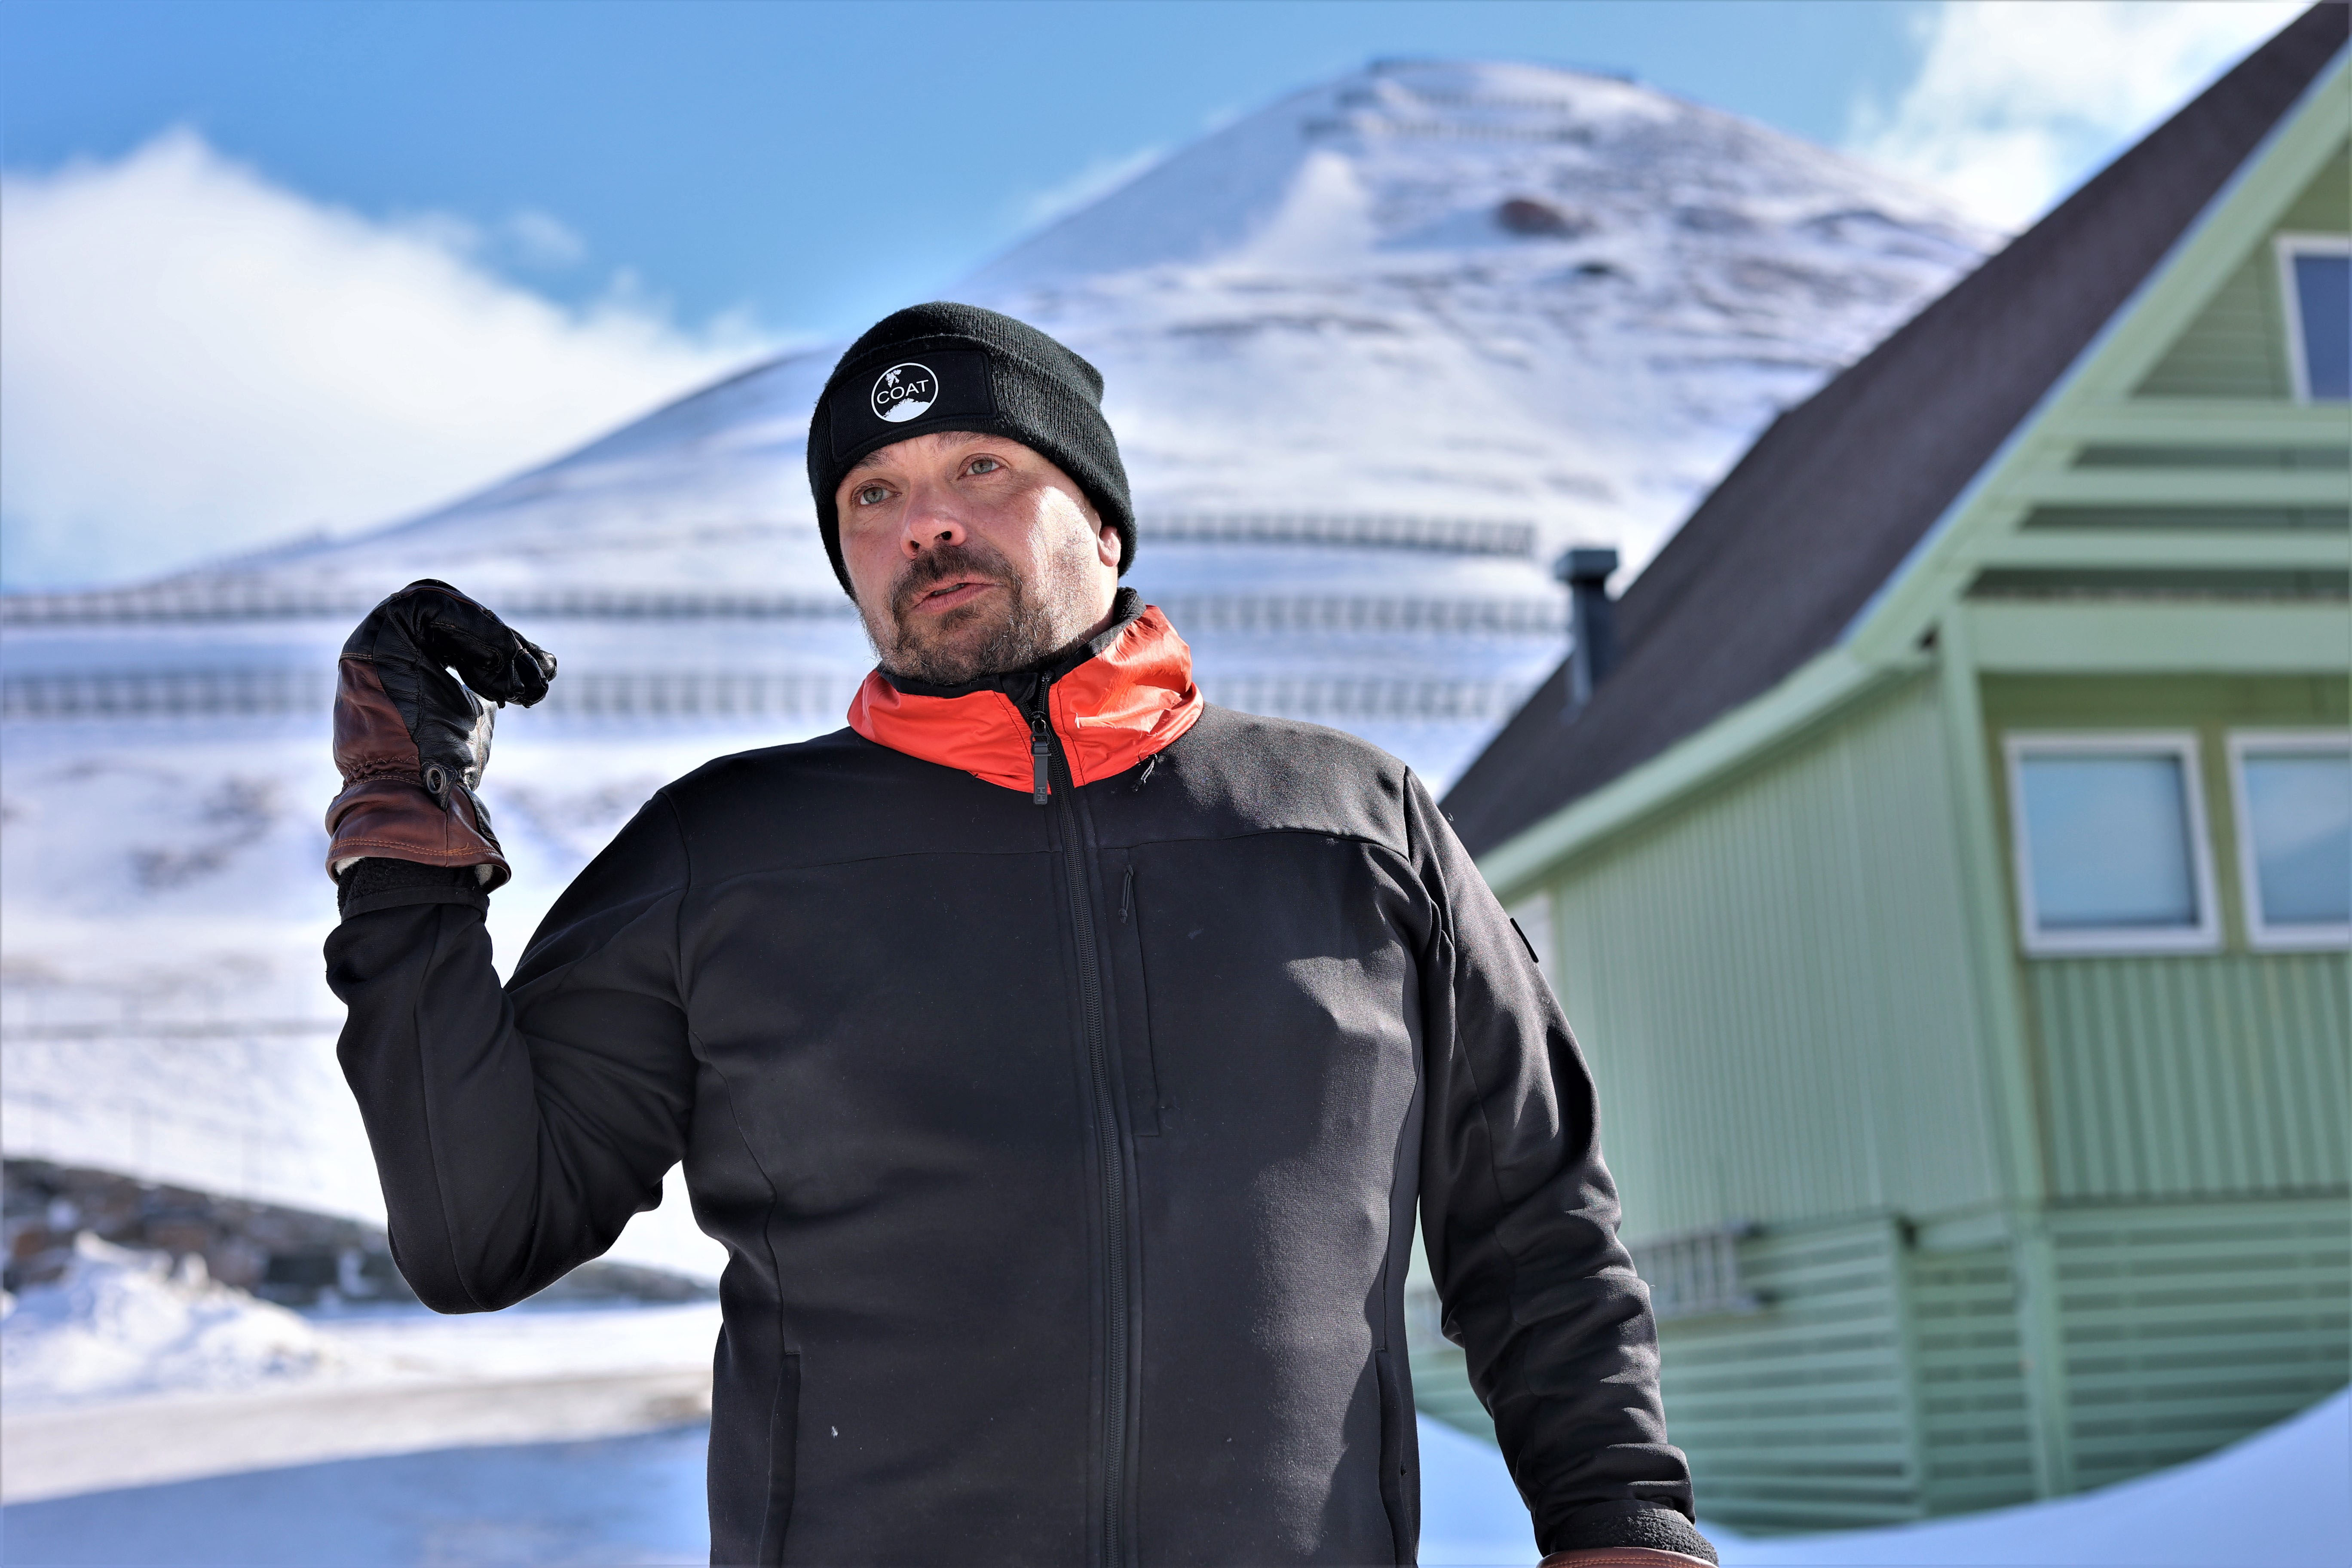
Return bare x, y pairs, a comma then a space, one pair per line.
1066, 1156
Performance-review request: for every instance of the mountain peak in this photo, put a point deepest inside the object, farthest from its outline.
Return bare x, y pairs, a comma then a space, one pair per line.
1433, 149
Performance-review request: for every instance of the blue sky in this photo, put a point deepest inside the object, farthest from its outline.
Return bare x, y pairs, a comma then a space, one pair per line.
271, 269
812, 163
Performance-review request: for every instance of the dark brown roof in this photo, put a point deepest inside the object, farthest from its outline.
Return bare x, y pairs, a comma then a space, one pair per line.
1776, 562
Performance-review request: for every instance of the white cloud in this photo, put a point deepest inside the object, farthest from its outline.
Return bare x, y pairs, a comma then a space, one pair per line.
543, 239
2016, 101
196, 361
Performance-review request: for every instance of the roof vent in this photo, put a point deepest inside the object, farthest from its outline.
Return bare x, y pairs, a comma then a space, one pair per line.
1586, 570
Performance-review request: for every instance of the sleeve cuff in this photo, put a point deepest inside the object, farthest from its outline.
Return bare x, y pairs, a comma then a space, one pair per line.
399, 898
379, 883
1635, 1525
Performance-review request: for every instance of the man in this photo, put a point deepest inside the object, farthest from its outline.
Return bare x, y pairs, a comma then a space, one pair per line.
1059, 1058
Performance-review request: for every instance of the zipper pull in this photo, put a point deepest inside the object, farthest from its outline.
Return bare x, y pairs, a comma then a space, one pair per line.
1127, 895
1041, 743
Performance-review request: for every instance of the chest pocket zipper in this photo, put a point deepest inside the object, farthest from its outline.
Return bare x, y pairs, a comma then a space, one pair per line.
1146, 1102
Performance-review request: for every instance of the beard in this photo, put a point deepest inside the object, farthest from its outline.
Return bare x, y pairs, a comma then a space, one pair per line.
1026, 623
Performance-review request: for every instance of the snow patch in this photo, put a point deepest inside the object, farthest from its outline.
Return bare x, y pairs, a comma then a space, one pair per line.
126, 1324
2282, 1496
121, 1323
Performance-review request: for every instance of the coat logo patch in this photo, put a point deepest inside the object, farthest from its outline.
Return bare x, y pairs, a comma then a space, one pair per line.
905, 392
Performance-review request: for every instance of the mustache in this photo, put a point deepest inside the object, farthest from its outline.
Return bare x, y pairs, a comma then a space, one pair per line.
940, 563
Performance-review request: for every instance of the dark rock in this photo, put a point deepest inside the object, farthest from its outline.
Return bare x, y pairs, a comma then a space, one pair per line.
283, 1255
1525, 215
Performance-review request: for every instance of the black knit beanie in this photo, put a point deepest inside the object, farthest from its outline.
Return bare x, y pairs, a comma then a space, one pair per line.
958, 367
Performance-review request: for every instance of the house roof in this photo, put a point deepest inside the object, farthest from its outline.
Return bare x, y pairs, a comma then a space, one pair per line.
1786, 552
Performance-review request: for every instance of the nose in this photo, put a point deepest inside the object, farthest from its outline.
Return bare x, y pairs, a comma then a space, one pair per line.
930, 521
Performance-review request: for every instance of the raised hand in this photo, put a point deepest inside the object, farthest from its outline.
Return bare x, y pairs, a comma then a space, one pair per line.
411, 740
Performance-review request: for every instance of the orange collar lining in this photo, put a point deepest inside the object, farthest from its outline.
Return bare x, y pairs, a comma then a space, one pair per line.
1127, 702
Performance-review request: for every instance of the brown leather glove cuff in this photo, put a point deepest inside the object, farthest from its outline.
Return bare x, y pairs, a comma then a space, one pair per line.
396, 819
1622, 1557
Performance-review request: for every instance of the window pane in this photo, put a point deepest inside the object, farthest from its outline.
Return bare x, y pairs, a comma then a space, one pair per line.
2107, 838
2299, 808
2323, 288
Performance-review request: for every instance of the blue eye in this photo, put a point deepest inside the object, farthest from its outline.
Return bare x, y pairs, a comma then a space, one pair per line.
871, 495
985, 466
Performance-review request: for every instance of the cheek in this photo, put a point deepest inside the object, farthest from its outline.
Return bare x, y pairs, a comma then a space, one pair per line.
1008, 527
867, 553
1050, 527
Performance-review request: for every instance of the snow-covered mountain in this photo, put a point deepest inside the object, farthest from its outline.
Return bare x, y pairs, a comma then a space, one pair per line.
1373, 355
1476, 289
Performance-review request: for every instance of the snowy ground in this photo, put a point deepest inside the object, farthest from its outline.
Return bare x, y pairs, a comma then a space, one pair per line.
126, 1373
2281, 1499
125, 1326
124, 1355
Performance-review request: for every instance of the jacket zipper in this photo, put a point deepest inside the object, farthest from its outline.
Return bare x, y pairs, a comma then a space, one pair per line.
1053, 781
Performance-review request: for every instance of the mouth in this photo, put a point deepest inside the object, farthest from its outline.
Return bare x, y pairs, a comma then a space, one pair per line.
950, 594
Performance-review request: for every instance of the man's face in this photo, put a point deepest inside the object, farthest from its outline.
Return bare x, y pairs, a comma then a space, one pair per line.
971, 555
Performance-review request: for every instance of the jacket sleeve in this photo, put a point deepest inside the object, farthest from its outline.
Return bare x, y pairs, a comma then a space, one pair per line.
516, 1128
1519, 1219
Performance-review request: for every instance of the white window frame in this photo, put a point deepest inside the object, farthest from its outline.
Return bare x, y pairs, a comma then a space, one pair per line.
2288, 246
2203, 937
2259, 933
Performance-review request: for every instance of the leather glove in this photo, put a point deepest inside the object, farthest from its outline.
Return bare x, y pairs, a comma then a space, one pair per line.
1623, 1557
411, 741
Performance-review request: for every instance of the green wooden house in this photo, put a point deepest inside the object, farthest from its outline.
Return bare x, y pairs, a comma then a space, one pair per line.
1949, 876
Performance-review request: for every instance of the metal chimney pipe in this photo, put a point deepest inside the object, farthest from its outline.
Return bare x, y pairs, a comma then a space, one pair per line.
1593, 616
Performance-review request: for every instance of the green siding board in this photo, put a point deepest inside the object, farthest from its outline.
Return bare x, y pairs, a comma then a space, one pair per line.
2237, 345
1771, 982
2121, 455
2326, 204
2208, 702
1969, 1372
2182, 1076
2183, 1326
1768, 979
2169, 1077
2218, 519
2189, 1325
1799, 1415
